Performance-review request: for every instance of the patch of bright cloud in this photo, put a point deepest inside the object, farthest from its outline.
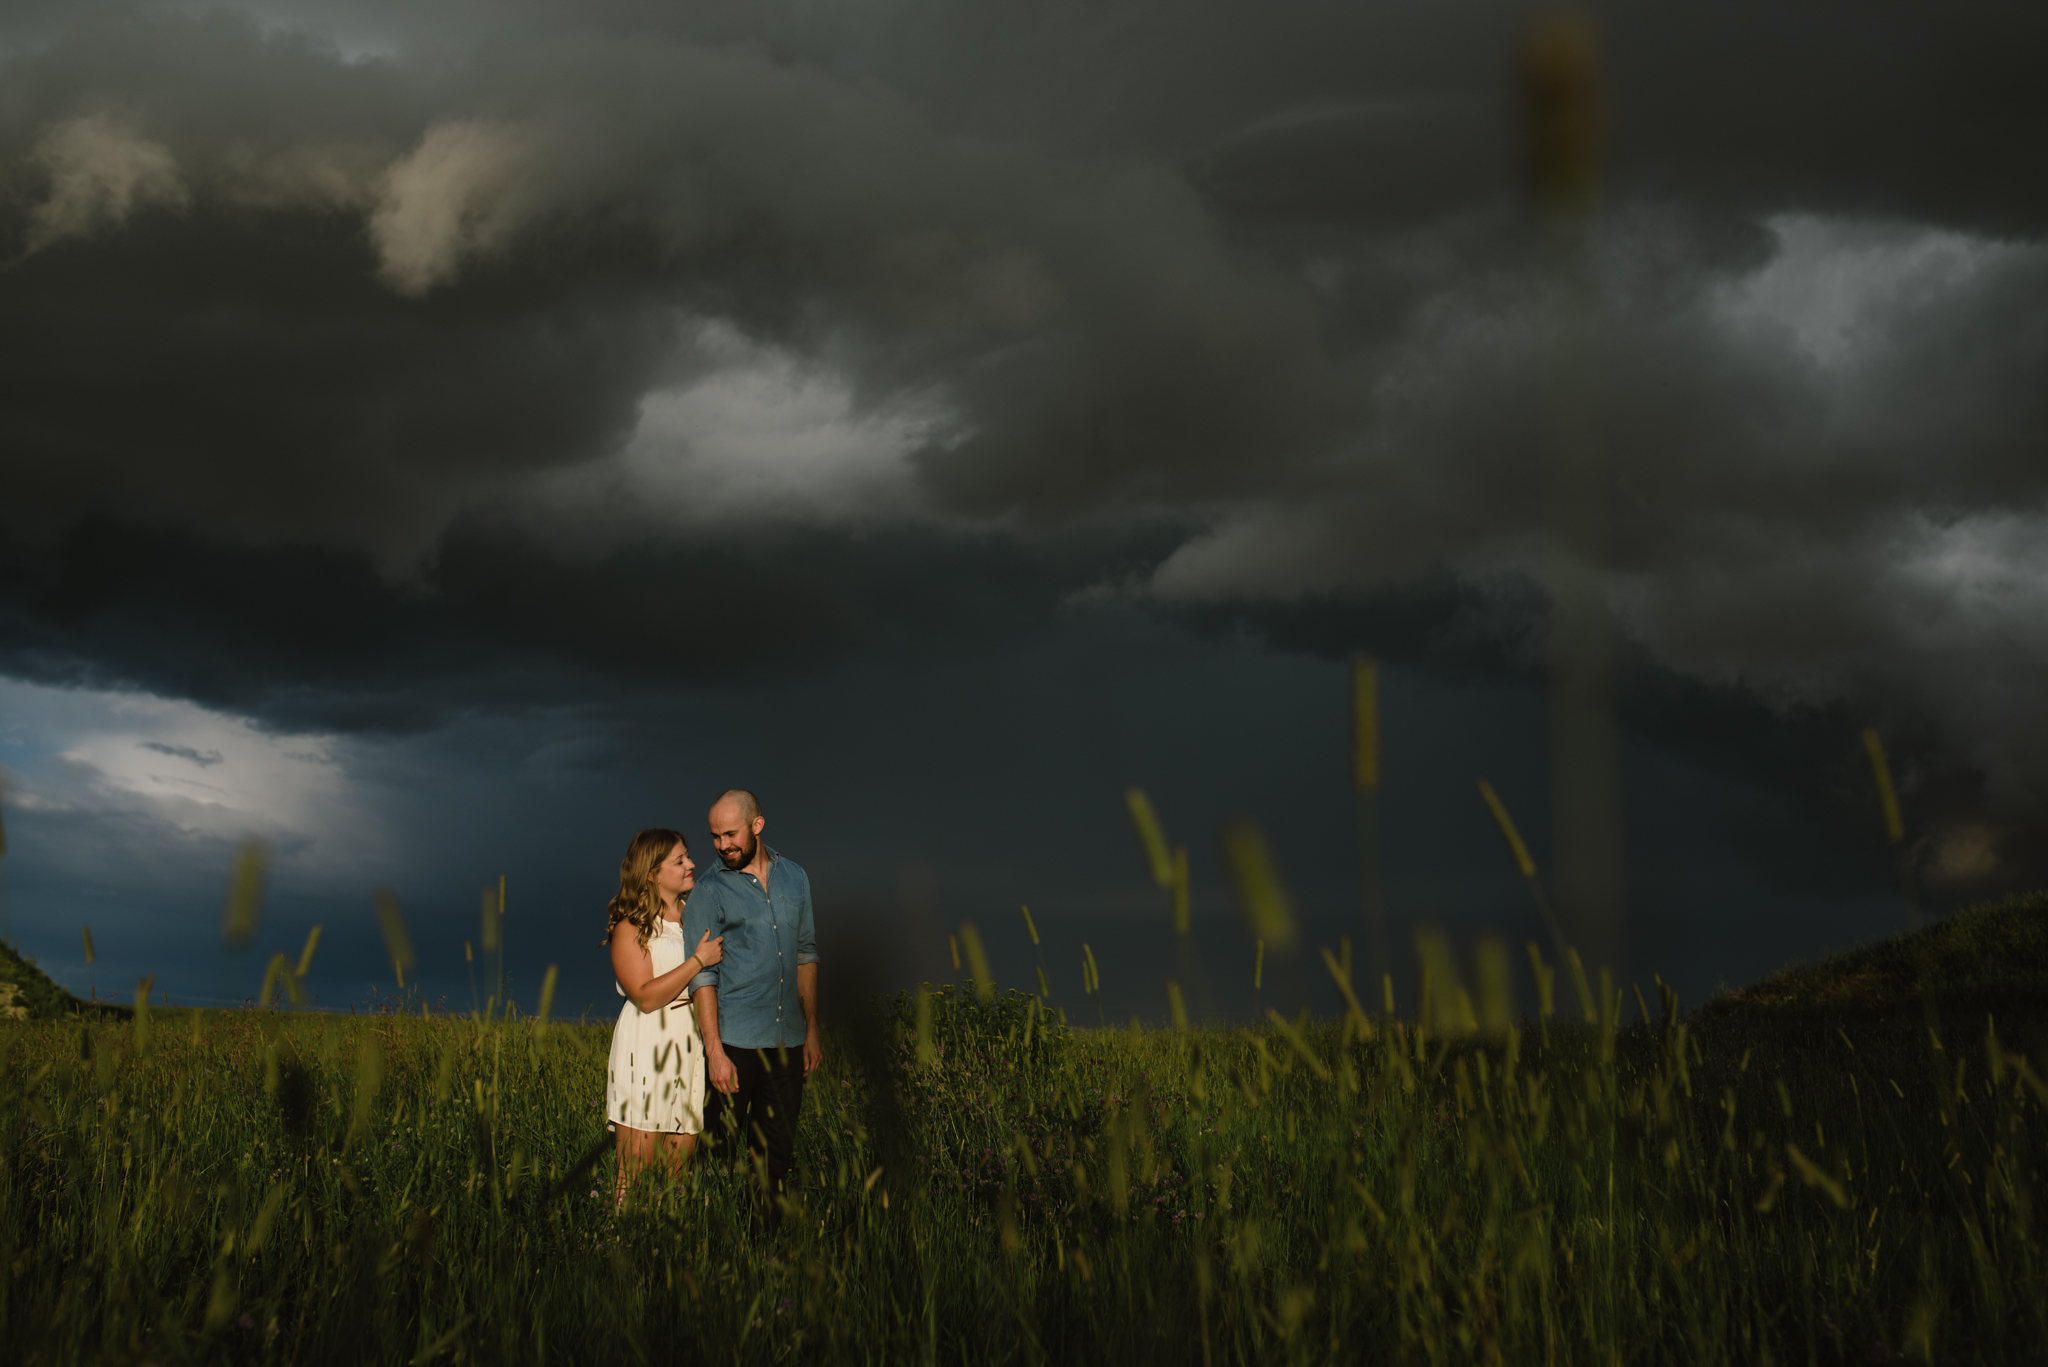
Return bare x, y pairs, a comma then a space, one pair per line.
1833, 284
182, 771
101, 170
454, 196
1986, 571
764, 437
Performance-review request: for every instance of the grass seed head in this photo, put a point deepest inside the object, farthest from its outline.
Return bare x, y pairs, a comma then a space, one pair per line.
1151, 836
1495, 975
977, 960
1558, 72
489, 911
397, 939
245, 894
1365, 724
1887, 795
1256, 876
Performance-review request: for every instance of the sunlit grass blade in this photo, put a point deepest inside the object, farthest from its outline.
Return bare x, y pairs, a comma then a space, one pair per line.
1037, 948
1341, 975
927, 1051
1444, 1007
1182, 913
397, 939
1151, 836
1881, 778
1812, 1174
306, 954
278, 976
1894, 826
259, 1231
142, 988
1546, 981
1256, 877
1291, 1031
369, 1081
1580, 987
1559, 71
487, 918
245, 894
977, 960
1365, 724
1495, 982
1365, 780
1526, 866
547, 997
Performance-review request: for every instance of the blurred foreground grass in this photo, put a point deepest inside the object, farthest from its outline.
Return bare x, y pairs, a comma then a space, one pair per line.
263, 1187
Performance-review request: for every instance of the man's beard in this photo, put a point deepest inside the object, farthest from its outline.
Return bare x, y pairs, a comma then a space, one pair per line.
741, 857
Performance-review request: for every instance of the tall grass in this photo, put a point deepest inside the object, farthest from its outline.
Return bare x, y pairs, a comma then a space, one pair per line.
272, 1187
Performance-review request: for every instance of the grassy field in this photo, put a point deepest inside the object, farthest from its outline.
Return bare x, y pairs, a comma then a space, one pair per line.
1766, 1182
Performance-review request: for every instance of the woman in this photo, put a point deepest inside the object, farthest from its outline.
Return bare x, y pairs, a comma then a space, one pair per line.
654, 1099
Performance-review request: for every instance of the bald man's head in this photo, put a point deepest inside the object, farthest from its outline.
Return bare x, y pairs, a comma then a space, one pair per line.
736, 824
750, 806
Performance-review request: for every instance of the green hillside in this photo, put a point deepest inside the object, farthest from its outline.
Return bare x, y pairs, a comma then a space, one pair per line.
28, 992
1994, 952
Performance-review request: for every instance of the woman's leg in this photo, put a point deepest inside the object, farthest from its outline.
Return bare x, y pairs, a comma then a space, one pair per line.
675, 1152
636, 1150
640, 1148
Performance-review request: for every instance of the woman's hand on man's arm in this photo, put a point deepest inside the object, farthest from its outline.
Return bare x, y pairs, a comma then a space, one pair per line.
634, 968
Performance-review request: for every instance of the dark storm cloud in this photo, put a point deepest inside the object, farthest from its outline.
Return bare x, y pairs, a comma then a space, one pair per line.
1235, 300
1867, 108
338, 326
311, 638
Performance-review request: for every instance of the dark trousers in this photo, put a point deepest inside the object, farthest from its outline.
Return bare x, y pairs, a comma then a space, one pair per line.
763, 1110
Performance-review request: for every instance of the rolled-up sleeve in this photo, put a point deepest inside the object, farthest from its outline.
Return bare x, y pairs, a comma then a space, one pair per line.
806, 930
704, 911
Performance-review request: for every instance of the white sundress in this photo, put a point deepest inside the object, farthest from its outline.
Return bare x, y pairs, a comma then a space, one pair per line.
656, 1076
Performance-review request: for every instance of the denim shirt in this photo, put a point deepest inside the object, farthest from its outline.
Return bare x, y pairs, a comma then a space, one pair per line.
767, 935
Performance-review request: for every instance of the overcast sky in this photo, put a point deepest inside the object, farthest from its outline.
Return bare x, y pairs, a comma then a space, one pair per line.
439, 440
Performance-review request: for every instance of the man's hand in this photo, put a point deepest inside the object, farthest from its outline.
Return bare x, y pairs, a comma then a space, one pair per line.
814, 1051
807, 993
724, 1076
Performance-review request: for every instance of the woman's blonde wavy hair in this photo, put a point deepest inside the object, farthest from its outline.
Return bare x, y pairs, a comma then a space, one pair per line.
637, 900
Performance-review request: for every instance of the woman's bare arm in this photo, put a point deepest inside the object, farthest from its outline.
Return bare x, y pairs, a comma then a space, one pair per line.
633, 966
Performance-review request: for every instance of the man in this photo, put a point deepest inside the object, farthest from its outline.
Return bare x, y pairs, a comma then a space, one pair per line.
748, 1006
